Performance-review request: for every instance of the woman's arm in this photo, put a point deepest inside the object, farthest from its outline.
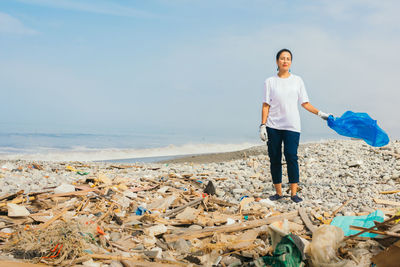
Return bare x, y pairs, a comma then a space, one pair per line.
310, 108
264, 113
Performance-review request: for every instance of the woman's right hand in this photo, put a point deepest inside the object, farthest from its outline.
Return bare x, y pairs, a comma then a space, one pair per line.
263, 132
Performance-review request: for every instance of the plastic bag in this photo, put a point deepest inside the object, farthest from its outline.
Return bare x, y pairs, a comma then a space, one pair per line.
325, 242
288, 253
359, 125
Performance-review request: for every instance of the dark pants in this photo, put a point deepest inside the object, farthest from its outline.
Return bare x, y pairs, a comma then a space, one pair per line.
291, 143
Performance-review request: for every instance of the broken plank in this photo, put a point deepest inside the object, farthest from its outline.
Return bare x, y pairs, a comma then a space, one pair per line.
228, 228
75, 193
386, 202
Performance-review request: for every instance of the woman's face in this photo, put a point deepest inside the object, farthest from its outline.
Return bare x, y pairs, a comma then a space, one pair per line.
284, 61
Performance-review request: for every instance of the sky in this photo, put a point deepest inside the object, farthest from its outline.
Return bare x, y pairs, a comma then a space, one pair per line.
193, 68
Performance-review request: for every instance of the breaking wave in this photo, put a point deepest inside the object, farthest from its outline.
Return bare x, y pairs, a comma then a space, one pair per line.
83, 153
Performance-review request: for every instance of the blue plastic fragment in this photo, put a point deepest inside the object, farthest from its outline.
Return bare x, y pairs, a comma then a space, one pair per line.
365, 221
359, 125
243, 197
199, 181
141, 211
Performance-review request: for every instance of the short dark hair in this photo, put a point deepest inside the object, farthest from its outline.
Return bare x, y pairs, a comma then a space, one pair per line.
284, 50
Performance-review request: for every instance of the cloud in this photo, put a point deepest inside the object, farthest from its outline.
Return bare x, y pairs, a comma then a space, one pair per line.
11, 25
99, 7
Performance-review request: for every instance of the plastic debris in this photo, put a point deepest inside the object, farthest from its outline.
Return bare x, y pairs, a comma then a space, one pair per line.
359, 125
365, 221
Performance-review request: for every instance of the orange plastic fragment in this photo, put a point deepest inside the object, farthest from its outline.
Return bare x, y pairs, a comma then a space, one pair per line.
100, 231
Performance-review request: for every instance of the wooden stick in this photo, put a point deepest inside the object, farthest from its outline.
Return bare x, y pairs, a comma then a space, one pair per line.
174, 211
306, 220
221, 202
354, 227
46, 224
105, 214
390, 192
371, 228
241, 249
341, 207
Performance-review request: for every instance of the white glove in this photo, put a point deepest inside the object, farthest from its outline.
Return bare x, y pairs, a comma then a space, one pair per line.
263, 132
323, 115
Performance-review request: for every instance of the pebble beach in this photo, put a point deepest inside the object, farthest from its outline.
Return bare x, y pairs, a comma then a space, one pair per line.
332, 172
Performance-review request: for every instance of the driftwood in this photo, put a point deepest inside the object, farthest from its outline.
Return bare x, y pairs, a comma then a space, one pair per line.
390, 192
306, 220
341, 207
181, 208
228, 228
386, 202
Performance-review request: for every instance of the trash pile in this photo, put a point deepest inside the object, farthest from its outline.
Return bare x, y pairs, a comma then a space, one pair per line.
104, 217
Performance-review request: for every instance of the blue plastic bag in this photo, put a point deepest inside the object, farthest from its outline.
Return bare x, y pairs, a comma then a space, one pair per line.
365, 221
359, 125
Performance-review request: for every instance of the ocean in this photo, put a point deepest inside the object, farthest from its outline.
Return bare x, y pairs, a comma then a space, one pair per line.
124, 148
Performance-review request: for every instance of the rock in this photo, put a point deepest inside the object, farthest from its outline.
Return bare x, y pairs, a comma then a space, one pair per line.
102, 178
162, 203
349, 213
231, 261
15, 210
149, 241
181, 246
239, 190
155, 230
116, 264
154, 253
115, 236
366, 209
189, 214
64, 188
195, 227
139, 247
163, 189
91, 263
343, 189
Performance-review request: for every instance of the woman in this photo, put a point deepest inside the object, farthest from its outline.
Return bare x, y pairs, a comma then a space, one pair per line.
280, 122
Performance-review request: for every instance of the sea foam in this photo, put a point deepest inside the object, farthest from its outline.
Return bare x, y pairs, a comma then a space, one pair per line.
83, 153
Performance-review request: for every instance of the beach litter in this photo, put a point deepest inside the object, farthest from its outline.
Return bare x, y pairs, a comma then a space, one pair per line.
161, 215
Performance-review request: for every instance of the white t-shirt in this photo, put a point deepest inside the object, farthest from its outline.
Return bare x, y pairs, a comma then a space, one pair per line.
284, 95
